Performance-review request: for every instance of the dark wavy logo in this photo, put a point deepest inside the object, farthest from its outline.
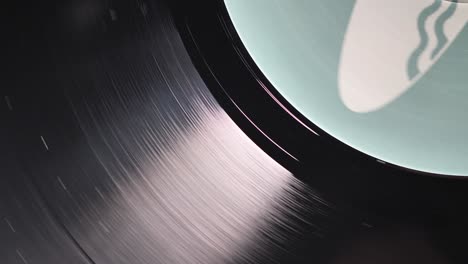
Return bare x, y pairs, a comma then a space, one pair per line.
441, 38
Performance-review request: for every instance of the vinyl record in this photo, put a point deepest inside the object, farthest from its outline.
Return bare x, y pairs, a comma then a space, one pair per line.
384, 78
167, 132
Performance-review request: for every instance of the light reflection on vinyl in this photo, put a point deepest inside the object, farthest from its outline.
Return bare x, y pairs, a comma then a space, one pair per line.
185, 180
138, 163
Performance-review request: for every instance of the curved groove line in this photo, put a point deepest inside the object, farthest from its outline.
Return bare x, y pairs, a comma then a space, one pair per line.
439, 28
413, 69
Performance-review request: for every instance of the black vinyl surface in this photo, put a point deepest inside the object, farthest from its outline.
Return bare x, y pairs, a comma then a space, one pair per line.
140, 132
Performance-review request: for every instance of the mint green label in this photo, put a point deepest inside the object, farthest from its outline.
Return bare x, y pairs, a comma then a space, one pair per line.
388, 78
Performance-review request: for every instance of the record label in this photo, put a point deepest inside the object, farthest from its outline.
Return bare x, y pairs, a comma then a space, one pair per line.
384, 77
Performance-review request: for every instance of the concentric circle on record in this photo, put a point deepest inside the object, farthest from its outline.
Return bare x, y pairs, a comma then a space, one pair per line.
384, 77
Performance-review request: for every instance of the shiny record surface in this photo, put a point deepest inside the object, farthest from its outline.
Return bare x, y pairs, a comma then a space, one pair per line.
119, 145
